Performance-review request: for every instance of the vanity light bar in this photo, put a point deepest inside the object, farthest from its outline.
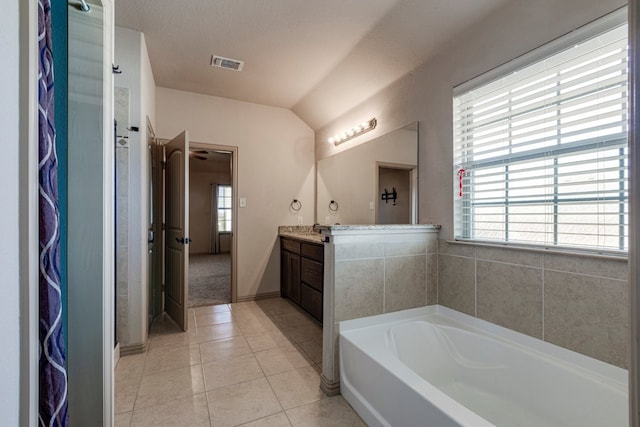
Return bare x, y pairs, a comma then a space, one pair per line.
355, 131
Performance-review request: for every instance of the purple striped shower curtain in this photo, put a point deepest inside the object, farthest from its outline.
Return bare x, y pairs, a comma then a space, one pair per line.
52, 366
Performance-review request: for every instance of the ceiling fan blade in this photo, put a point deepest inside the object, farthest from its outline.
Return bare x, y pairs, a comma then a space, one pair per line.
195, 156
198, 151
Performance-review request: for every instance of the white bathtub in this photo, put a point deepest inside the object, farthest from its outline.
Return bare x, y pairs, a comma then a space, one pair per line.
433, 366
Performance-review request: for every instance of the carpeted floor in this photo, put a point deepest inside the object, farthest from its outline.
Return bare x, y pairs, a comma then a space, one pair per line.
209, 280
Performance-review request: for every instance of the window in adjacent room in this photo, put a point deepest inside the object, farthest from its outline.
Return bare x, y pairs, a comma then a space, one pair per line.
224, 208
540, 146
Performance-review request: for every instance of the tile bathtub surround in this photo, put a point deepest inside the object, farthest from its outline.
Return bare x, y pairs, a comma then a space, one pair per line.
572, 300
372, 270
251, 363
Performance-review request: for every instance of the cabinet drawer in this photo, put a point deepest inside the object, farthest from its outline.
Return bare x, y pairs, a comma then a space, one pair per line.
311, 273
311, 301
290, 245
315, 252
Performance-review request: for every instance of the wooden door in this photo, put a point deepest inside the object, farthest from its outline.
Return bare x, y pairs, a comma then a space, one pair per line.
177, 229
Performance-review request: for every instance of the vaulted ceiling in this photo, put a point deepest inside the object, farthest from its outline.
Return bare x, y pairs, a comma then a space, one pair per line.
319, 58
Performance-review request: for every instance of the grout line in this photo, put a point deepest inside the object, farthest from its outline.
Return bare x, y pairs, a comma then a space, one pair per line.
475, 287
543, 306
384, 286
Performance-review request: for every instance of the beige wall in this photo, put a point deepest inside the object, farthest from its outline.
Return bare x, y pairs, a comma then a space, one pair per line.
425, 95
275, 165
579, 303
200, 205
132, 57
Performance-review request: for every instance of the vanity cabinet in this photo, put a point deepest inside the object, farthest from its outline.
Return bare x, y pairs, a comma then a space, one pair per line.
302, 274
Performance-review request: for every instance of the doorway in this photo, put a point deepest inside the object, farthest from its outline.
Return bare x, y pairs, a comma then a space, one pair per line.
211, 222
397, 194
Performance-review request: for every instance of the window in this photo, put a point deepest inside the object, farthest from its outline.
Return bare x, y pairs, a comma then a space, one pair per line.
224, 208
540, 153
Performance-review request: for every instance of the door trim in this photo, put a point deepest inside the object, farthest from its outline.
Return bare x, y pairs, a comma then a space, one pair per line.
413, 187
234, 215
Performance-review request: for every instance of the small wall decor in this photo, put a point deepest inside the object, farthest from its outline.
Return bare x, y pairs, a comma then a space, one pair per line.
333, 206
393, 195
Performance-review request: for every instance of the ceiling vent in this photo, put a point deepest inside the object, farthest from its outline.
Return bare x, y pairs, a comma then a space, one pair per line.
228, 63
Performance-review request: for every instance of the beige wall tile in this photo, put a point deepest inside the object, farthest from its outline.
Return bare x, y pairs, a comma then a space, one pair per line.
456, 283
405, 279
432, 244
464, 250
611, 268
347, 251
510, 256
510, 296
587, 314
405, 248
358, 288
432, 279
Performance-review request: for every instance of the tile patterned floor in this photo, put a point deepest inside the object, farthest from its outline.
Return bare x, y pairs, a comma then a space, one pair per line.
251, 364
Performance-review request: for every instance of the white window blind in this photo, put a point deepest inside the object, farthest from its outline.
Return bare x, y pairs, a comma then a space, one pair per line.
540, 154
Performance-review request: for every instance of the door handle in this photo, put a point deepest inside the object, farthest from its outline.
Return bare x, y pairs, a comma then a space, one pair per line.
180, 240
183, 240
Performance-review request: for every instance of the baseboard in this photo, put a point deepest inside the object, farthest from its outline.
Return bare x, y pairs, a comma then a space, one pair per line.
329, 388
133, 349
258, 297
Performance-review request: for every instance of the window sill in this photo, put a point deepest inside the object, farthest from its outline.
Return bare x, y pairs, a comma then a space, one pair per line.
611, 255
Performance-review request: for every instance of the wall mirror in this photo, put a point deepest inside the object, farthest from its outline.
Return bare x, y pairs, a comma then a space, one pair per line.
371, 183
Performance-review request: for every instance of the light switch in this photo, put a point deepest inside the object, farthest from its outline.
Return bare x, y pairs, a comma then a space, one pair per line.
300, 220
243, 202
327, 220
371, 206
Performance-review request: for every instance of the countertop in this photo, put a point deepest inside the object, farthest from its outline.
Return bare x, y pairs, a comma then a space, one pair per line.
329, 228
305, 233
318, 233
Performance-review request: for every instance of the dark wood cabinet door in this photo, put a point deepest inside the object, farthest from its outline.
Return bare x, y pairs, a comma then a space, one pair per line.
301, 274
294, 275
312, 273
311, 301
284, 274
